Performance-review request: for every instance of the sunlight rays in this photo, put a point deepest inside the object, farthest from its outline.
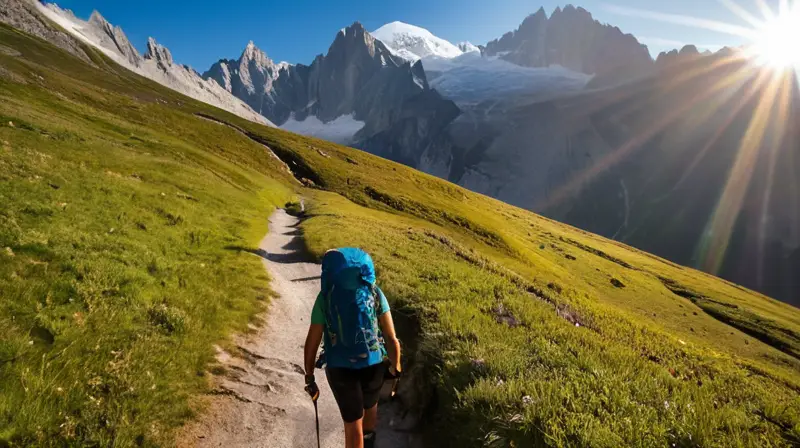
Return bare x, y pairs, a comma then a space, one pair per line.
683, 20
720, 228
773, 38
735, 80
745, 15
760, 77
778, 41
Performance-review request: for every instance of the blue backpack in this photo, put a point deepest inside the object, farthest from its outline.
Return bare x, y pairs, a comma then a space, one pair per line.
352, 335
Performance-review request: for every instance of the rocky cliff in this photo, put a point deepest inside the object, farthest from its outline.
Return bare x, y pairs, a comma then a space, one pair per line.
571, 38
385, 100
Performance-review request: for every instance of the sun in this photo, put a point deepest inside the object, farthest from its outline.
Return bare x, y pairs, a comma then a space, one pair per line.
778, 41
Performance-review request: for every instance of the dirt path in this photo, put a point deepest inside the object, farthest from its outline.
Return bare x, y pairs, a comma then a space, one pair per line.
260, 402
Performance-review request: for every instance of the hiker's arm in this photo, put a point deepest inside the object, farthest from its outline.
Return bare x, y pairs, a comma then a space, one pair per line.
392, 343
312, 345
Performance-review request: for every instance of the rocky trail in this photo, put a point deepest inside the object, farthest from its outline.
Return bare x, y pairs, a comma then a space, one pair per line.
260, 401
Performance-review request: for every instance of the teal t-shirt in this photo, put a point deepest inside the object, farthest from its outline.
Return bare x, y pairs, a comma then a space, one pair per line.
318, 314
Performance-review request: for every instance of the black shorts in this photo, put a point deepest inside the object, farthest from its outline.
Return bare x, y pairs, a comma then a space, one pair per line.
355, 389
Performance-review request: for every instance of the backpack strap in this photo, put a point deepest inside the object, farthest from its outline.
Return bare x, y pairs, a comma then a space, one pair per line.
326, 304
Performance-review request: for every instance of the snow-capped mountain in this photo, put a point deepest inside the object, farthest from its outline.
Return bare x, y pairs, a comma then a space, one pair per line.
468, 47
156, 64
462, 74
358, 92
413, 43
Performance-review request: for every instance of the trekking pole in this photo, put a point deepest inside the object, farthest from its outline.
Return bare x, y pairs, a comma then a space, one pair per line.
313, 391
316, 414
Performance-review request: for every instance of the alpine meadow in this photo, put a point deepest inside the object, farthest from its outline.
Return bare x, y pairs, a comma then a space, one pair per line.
130, 213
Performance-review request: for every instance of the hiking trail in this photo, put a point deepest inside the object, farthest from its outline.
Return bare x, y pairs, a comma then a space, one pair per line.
260, 401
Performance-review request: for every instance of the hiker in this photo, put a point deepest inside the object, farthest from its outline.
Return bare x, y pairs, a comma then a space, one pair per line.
352, 316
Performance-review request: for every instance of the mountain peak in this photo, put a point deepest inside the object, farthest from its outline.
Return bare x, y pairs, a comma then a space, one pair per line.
355, 28
158, 52
253, 53
468, 47
689, 50
412, 42
98, 19
572, 39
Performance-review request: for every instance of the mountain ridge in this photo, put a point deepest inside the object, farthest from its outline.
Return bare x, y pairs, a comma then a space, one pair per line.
517, 145
156, 64
572, 38
130, 213
445, 117
355, 94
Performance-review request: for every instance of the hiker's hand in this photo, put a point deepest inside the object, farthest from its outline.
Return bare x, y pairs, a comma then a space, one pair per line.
311, 387
393, 372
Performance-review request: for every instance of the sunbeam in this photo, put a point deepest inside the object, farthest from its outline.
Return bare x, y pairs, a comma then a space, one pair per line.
677, 19
743, 13
776, 45
735, 81
720, 228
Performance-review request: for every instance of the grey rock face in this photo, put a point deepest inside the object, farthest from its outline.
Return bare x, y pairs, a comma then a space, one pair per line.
22, 14
358, 76
573, 39
158, 53
250, 78
686, 55
222, 73
113, 36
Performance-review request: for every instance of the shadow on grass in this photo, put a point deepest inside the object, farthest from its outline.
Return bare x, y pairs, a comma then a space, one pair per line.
296, 252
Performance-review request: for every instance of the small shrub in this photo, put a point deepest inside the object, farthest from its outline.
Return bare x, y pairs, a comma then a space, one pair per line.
169, 319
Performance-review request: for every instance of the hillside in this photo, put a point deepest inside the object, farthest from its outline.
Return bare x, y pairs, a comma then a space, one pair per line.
565, 116
127, 216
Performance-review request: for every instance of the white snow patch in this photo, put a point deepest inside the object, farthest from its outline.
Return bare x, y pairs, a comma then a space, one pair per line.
174, 76
412, 42
468, 47
341, 130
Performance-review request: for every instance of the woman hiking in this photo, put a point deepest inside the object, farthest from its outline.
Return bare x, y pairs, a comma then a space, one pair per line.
352, 317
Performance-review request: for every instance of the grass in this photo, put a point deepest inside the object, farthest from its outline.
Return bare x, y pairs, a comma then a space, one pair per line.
114, 278
117, 204
660, 355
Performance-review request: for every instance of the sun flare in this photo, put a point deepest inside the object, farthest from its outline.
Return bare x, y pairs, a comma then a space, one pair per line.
778, 44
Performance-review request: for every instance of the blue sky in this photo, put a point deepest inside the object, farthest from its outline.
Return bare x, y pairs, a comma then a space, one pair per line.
200, 32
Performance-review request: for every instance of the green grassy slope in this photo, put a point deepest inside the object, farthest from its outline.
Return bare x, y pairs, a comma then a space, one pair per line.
116, 209
661, 354
117, 206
